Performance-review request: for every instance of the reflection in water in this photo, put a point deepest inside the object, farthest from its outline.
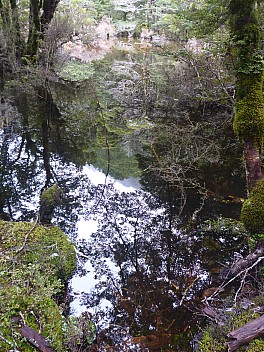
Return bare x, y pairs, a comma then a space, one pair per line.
86, 228
135, 118
161, 273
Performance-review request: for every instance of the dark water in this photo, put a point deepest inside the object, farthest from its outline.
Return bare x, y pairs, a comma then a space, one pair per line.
141, 116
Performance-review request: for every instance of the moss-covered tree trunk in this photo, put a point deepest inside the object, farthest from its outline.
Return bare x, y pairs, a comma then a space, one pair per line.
12, 44
249, 107
41, 14
18, 43
49, 7
34, 30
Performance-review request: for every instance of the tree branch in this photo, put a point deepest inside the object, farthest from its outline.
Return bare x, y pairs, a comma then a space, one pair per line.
245, 262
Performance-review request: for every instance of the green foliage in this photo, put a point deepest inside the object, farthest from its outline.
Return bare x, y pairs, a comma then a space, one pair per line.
225, 226
214, 337
256, 346
252, 214
80, 332
210, 16
76, 71
182, 340
35, 263
209, 343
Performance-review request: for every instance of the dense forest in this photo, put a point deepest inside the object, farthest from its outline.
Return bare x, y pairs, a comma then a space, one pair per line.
131, 162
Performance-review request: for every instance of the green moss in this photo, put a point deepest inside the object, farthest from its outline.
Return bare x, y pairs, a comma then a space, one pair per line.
249, 109
49, 199
46, 245
51, 195
36, 308
258, 190
254, 239
209, 343
248, 63
252, 213
256, 346
214, 337
35, 263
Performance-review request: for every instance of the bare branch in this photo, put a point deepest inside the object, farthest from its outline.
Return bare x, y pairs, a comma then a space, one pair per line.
19, 250
244, 262
245, 271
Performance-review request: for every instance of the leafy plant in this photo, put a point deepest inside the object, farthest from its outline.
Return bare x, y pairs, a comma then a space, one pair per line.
76, 71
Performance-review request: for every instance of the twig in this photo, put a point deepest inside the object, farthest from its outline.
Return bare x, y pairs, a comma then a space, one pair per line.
6, 341
241, 272
240, 287
80, 253
187, 289
19, 250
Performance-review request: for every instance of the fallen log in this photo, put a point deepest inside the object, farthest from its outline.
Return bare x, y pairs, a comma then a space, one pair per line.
35, 339
246, 333
32, 337
154, 342
243, 263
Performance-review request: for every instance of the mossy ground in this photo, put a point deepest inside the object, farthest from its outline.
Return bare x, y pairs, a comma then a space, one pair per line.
214, 337
29, 281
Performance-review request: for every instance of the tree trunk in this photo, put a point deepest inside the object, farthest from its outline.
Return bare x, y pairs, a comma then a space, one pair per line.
249, 106
17, 41
38, 24
34, 30
253, 164
49, 8
35, 339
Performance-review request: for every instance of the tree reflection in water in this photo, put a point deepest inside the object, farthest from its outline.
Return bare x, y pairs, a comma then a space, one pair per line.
152, 273
150, 267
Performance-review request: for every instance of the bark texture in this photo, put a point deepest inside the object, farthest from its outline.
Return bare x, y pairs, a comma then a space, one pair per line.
253, 164
246, 333
35, 339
